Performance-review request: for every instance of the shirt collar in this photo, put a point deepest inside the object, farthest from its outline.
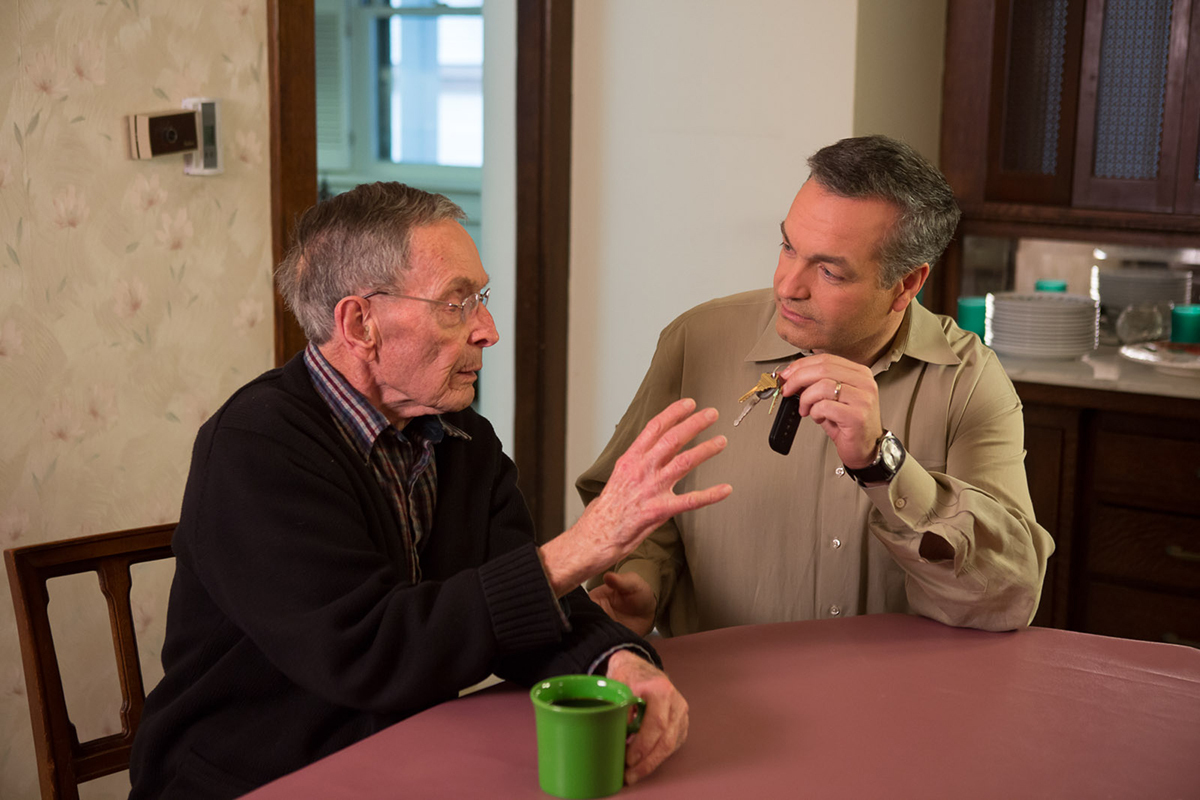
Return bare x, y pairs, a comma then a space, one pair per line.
919, 336
924, 339
363, 421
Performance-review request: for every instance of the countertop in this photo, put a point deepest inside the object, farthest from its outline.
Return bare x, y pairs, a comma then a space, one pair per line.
1103, 369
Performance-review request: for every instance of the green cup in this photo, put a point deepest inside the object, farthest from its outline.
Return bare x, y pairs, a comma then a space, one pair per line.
972, 311
1048, 285
582, 724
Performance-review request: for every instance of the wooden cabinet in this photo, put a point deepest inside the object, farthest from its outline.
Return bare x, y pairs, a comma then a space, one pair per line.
1118, 487
1133, 150
1140, 575
1080, 120
1086, 104
1071, 119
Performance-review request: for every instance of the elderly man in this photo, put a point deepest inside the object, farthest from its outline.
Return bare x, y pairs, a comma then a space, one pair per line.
905, 488
352, 546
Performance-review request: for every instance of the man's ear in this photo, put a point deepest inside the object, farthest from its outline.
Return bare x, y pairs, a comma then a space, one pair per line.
353, 326
908, 287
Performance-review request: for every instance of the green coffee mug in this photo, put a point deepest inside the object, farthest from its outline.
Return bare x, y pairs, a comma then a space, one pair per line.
582, 723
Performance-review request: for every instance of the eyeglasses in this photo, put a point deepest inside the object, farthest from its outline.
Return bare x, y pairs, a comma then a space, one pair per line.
465, 309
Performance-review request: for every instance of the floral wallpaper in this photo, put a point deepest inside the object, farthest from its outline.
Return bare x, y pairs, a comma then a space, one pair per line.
133, 300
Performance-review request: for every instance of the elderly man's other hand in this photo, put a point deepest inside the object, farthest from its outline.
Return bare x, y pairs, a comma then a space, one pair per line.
638, 497
627, 598
665, 725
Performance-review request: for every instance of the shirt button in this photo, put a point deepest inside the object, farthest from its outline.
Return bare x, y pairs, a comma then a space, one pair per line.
835, 611
836, 543
901, 502
840, 471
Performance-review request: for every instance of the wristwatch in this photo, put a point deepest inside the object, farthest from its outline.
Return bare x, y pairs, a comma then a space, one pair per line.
889, 456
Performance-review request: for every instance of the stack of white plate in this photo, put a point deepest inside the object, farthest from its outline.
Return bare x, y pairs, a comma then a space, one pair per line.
1042, 325
1130, 287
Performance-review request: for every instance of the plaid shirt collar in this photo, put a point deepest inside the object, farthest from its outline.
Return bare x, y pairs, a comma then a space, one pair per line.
362, 421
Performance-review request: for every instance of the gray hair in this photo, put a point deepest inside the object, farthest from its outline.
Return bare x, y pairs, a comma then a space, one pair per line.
883, 168
353, 243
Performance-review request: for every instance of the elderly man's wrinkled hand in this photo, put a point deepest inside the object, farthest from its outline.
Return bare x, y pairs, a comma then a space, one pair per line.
638, 497
665, 725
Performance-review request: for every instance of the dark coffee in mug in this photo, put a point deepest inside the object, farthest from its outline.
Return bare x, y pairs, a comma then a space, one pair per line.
580, 702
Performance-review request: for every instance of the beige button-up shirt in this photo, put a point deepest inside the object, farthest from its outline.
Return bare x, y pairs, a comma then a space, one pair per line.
798, 539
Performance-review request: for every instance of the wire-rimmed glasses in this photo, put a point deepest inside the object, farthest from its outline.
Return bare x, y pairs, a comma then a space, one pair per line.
465, 309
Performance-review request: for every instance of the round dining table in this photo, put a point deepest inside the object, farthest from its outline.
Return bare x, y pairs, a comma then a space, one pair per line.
881, 706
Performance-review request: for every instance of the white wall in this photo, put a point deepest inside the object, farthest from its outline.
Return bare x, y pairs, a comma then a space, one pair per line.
498, 243
898, 71
692, 123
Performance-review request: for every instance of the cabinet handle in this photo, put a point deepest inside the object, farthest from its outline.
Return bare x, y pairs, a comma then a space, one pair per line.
1172, 638
1175, 551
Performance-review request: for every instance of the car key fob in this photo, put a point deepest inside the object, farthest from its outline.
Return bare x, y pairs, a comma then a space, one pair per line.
787, 420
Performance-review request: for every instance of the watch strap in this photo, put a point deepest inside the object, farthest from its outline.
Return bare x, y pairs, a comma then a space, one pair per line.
877, 471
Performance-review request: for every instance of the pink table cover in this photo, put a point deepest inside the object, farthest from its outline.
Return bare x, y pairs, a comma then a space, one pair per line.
862, 707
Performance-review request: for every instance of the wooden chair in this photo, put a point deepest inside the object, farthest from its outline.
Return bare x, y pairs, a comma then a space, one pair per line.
64, 761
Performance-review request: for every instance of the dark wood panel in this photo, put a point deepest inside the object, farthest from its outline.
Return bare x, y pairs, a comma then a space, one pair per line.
293, 90
1051, 445
1157, 194
965, 81
1032, 187
1101, 227
1147, 546
1148, 472
1114, 610
1044, 469
544, 46
1180, 409
1187, 198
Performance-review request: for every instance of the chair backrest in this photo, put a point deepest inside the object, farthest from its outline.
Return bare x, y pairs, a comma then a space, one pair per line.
64, 761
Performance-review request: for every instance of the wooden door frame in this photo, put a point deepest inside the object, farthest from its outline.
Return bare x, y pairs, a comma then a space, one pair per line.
543, 195
290, 45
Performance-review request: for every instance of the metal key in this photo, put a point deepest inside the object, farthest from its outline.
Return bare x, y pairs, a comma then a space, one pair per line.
767, 385
765, 382
774, 396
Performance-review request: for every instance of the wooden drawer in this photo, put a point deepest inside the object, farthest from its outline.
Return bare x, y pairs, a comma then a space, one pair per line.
1162, 549
1148, 471
1114, 610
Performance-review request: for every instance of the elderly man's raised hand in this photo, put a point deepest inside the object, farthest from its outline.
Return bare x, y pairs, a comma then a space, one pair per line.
665, 725
638, 497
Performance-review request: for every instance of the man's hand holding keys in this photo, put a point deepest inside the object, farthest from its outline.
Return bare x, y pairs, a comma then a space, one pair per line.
843, 398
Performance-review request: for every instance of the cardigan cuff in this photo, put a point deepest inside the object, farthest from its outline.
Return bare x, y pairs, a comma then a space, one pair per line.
524, 612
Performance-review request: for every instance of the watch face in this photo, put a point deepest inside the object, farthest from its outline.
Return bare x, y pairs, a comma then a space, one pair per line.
890, 452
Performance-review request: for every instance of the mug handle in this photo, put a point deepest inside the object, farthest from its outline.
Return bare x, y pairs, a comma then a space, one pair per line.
639, 711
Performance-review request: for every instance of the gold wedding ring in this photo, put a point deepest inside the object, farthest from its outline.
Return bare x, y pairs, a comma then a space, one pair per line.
837, 391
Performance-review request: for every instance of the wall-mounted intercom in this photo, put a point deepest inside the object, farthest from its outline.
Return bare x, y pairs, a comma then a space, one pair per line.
162, 133
194, 131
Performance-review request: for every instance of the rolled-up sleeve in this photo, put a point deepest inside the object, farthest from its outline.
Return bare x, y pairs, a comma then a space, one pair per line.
981, 506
